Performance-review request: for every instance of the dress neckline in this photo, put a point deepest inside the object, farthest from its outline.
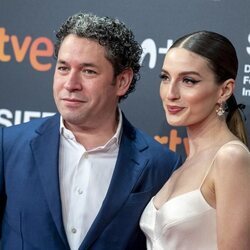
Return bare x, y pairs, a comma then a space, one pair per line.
189, 193
198, 190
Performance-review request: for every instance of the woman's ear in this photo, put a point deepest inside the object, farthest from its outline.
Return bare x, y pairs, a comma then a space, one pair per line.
226, 90
124, 80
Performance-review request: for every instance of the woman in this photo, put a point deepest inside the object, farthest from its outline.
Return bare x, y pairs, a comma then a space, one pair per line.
206, 202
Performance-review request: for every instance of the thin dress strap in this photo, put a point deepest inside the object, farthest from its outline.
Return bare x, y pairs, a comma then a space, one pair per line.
230, 142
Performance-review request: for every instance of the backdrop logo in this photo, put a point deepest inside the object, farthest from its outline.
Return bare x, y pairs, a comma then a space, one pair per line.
33, 49
150, 49
173, 140
9, 118
36, 50
246, 76
248, 48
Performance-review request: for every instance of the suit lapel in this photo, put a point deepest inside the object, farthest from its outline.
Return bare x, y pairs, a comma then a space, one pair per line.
45, 150
128, 168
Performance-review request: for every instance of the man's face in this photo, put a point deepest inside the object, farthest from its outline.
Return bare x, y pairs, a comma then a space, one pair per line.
85, 89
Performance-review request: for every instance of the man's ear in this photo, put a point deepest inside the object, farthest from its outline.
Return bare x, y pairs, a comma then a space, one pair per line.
123, 81
226, 90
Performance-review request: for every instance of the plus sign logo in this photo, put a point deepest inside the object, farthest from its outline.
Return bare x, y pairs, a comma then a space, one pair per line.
150, 50
248, 48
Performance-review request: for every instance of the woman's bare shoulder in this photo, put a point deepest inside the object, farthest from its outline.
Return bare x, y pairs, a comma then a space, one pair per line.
233, 156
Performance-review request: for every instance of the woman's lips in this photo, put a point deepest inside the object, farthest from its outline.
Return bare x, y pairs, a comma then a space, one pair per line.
174, 109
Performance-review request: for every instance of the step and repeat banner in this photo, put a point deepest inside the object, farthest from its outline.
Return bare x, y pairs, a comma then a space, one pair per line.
27, 32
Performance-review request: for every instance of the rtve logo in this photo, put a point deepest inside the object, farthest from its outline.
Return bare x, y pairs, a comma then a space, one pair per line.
43, 47
40, 47
36, 50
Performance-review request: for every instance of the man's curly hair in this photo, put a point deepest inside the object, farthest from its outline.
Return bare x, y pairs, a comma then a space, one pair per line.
121, 48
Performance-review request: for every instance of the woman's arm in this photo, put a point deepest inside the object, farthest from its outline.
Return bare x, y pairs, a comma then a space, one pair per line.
232, 190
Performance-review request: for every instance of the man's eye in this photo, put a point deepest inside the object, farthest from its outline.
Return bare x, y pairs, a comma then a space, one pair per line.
89, 71
62, 68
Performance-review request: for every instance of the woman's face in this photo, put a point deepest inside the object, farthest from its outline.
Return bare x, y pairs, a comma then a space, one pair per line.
188, 89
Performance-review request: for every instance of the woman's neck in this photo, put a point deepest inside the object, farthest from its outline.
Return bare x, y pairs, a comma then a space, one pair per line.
209, 134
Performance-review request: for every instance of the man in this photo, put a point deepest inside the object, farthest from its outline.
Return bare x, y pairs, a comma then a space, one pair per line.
81, 179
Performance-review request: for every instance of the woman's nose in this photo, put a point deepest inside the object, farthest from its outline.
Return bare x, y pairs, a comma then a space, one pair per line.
172, 91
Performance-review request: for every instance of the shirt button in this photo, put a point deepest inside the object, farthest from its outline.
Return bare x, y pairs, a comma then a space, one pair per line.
85, 155
73, 230
79, 191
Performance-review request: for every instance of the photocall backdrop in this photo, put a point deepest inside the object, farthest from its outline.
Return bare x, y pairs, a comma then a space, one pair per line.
27, 64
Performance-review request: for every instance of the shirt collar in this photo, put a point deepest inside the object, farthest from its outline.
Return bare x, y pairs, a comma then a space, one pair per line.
115, 139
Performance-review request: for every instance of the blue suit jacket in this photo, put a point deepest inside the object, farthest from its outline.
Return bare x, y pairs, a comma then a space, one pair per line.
30, 205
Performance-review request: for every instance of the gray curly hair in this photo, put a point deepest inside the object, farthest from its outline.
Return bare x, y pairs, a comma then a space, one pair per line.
121, 48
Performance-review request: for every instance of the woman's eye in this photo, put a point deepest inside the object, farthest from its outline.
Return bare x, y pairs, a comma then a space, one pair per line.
163, 77
190, 81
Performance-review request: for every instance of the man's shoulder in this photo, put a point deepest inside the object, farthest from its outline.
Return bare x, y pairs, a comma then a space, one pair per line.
143, 139
161, 157
154, 144
34, 123
148, 138
29, 128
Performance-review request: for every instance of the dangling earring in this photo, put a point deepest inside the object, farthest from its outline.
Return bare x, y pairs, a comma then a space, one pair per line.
220, 111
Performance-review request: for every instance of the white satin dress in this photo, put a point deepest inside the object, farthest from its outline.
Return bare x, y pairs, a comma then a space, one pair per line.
185, 222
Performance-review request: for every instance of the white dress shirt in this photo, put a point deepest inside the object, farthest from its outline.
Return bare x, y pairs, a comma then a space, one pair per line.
84, 177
